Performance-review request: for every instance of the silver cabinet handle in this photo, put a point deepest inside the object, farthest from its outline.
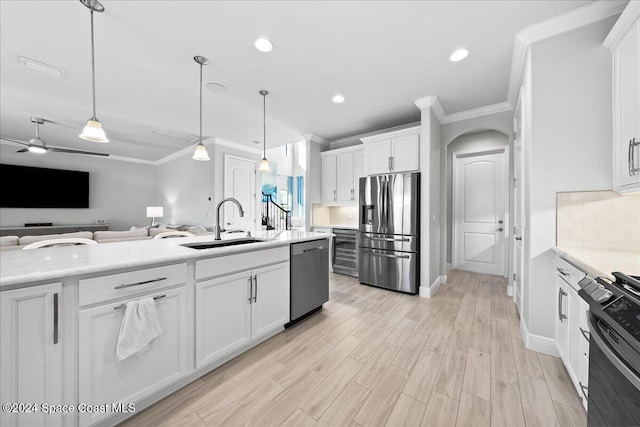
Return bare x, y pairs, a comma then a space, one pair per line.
389, 162
632, 157
585, 334
128, 285
250, 288
255, 283
317, 248
561, 271
392, 163
118, 307
387, 255
582, 389
385, 239
561, 316
334, 195
55, 318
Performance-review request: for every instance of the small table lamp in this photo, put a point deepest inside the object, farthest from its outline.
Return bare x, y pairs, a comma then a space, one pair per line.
154, 212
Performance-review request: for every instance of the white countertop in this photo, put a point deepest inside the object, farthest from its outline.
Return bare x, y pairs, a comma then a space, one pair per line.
22, 268
350, 227
599, 262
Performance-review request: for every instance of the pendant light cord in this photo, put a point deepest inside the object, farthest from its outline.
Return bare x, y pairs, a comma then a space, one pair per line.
264, 126
201, 65
93, 67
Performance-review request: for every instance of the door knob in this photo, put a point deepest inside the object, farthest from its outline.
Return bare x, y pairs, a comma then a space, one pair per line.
499, 229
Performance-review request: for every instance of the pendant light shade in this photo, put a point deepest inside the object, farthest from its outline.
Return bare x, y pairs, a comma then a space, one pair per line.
201, 151
264, 163
93, 130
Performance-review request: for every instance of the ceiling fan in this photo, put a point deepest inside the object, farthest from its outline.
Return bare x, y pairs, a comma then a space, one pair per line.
37, 145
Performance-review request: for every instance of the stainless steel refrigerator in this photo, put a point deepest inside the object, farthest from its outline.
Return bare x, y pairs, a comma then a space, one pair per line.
389, 249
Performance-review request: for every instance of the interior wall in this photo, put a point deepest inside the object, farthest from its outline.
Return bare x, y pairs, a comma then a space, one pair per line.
119, 191
569, 147
468, 142
435, 188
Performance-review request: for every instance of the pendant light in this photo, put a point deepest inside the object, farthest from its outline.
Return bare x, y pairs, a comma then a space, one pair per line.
93, 130
264, 163
201, 151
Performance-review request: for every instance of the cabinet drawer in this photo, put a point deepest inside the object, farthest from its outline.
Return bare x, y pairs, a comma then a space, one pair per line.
116, 286
214, 267
569, 273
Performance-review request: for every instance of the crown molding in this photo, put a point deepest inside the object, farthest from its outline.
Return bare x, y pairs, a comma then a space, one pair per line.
557, 25
478, 112
131, 160
629, 16
207, 142
432, 102
317, 139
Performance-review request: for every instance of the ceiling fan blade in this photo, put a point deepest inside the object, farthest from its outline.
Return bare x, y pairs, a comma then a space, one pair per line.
68, 151
23, 150
16, 141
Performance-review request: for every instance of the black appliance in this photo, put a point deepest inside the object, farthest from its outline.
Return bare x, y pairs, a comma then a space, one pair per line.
30, 187
614, 350
345, 251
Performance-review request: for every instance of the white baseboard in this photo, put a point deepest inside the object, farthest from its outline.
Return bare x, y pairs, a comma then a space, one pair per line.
538, 342
430, 291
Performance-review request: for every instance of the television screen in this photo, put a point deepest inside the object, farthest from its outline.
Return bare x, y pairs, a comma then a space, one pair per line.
29, 187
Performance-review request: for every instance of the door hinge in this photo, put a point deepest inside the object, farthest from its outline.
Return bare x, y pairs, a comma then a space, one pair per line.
515, 181
514, 277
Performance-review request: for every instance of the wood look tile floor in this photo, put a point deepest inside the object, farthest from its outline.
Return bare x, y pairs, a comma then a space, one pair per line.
373, 357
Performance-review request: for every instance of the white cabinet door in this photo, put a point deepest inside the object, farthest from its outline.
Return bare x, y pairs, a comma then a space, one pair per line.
345, 178
406, 155
102, 379
329, 169
574, 345
562, 324
30, 353
379, 157
223, 316
627, 110
270, 308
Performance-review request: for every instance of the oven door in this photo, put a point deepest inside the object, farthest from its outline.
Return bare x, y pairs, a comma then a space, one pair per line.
614, 388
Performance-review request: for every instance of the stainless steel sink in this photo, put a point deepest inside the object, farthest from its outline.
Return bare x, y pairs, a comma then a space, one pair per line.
223, 243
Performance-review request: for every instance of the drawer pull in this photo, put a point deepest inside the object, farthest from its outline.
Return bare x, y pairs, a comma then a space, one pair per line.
118, 307
128, 285
317, 248
561, 271
55, 318
585, 334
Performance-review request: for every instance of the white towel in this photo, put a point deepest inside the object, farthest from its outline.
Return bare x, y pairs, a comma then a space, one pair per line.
139, 328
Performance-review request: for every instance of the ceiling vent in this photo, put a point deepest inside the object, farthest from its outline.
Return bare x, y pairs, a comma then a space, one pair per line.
176, 135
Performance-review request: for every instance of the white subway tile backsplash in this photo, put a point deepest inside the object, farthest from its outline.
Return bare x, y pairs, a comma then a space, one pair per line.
598, 220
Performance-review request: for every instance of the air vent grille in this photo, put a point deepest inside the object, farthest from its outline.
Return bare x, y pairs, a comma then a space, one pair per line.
176, 135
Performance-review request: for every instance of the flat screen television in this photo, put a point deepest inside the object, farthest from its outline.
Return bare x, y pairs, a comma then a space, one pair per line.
29, 187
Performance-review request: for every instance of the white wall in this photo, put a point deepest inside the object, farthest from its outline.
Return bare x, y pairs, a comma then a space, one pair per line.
119, 191
468, 142
190, 190
569, 148
435, 189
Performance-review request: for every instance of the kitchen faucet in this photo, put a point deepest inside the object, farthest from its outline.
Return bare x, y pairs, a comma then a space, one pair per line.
228, 199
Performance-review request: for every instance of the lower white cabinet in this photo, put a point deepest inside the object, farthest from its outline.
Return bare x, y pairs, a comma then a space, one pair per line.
236, 309
30, 354
572, 328
102, 379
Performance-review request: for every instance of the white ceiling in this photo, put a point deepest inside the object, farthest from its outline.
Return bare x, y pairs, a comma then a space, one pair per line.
381, 55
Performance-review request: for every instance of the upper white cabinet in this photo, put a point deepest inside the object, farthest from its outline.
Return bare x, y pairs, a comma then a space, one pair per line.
30, 354
393, 152
624, 42
341, 172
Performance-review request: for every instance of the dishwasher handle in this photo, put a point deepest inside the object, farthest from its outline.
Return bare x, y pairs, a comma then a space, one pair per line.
317, 248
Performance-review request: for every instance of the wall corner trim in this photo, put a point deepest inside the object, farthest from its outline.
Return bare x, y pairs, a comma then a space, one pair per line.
315, 138
434, 103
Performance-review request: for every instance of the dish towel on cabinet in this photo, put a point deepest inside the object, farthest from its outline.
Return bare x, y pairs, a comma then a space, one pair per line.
139, 328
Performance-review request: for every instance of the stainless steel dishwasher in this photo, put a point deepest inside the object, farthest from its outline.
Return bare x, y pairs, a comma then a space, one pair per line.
309, 277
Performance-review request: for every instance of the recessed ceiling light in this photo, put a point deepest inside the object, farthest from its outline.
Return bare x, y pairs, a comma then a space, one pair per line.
41, 66
216, 87
459, 55
263, 45
338, 99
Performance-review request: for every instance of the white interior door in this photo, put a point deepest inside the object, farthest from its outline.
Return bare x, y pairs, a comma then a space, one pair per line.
239, 183
518, 205
479, 212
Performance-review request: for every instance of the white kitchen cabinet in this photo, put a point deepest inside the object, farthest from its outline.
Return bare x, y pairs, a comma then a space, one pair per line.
102, 379
393, 152
572, 330
624, 42
270, 307
223, 316
341, 172
329, 179
30, 353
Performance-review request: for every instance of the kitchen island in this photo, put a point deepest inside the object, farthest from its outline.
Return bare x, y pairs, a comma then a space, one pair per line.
62, 309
